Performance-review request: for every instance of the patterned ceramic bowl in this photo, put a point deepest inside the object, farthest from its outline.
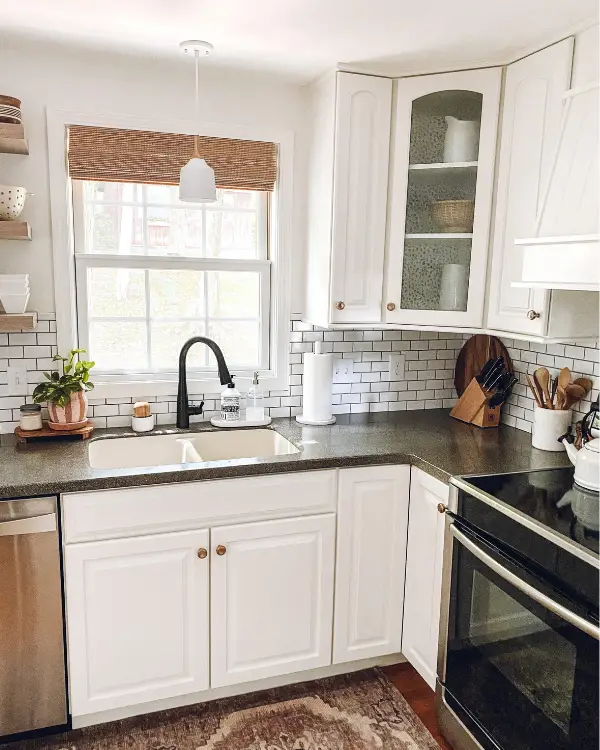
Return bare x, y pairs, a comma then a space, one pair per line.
12, 200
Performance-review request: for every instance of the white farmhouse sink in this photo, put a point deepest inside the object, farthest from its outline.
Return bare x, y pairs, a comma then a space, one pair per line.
187, 447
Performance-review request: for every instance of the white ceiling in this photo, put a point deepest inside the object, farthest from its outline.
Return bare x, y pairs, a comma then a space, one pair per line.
302, 38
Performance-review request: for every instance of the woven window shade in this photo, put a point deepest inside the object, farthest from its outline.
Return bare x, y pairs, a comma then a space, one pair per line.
115, 155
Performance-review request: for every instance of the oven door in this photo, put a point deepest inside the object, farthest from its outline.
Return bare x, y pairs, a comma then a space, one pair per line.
519, 665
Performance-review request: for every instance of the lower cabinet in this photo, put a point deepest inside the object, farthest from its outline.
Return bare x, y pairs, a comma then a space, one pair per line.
137, 619
424, 554
371, 556
271, 598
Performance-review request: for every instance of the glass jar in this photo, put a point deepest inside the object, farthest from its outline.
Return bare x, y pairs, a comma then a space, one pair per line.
31, 417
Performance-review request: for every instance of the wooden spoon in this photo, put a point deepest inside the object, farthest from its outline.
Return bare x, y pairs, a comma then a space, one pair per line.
573, 393
584, 383
535, 391
564, 378
542, 377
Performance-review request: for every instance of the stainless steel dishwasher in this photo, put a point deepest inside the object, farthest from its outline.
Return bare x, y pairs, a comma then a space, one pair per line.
33, 692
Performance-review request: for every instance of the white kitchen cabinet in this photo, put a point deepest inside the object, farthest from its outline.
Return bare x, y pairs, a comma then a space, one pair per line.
529, 137
371, 555
137, 619
271, 598
348, 178
435, 274
423, 588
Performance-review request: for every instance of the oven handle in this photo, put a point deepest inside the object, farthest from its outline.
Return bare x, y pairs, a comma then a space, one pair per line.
558, 609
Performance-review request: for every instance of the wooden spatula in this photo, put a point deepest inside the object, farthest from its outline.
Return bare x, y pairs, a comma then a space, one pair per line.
564, 379
542, 378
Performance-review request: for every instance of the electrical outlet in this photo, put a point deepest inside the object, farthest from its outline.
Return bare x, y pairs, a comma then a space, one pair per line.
397, 366
343, 369
17, 380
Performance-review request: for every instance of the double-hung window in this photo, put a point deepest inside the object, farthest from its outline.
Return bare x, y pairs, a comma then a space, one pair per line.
151, 271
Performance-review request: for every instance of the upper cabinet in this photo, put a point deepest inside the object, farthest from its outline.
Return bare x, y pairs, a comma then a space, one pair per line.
440, 198
348, 178
533, 113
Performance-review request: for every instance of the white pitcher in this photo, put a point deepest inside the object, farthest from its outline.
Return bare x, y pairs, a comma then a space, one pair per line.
462, 140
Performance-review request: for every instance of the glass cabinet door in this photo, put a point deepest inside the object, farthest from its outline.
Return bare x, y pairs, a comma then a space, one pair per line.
441, 198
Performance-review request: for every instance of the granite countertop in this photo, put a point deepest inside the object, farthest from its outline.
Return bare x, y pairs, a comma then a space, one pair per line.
430, 440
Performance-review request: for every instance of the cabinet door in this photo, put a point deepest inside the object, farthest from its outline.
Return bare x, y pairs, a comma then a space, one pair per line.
360, 179
531, 119
441, 197
371, 554
423, 589
271, 598
137, 619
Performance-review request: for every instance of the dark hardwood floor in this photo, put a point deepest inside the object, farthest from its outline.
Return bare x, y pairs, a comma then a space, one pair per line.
419, 696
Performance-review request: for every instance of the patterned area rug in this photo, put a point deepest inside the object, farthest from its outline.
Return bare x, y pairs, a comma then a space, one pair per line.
361, 711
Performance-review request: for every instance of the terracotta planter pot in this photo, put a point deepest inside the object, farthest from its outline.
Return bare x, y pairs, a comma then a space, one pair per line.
71, 415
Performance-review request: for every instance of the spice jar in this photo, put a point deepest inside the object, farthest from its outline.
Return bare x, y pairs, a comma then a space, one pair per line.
31, 417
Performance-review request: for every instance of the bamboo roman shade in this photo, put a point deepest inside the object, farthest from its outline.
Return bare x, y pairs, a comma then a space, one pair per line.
115, 155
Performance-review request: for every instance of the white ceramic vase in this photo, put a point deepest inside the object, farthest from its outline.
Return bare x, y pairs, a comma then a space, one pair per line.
454, 287
462, 140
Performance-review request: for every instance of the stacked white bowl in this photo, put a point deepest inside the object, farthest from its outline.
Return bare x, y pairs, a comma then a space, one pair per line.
14, 292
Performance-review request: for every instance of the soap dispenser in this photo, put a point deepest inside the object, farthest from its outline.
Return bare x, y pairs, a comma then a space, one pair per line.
230, 403
255, 404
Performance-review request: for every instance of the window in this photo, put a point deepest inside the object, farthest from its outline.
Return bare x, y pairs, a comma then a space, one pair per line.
151, 272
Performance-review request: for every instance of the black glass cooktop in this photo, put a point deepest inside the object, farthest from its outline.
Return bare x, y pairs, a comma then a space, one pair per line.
551, 498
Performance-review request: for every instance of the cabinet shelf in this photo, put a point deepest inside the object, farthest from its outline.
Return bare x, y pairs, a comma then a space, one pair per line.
12, 139
15, 230
444, 166
11, 322
439, 236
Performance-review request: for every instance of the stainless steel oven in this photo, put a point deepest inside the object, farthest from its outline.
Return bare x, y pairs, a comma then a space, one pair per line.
518, 658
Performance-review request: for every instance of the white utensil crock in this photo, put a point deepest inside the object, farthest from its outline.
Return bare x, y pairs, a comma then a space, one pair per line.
454, 287
548, 426
462, 140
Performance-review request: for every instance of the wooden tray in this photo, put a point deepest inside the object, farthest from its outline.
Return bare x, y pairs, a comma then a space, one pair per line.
81, 433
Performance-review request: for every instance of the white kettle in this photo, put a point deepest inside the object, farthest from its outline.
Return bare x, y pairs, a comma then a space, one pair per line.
586, 462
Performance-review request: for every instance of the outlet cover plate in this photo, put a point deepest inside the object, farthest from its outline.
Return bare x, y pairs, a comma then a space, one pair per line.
397, 366
17, 380
343, 370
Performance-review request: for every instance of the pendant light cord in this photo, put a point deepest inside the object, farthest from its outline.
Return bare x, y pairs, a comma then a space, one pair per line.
197, 114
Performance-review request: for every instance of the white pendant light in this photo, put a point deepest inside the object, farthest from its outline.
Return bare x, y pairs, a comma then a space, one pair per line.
197, 179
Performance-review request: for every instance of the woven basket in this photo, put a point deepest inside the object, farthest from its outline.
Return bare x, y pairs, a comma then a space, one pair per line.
454, 216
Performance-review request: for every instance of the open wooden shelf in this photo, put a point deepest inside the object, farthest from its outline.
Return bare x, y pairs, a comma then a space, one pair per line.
447, 165
12, 139
26, 321
15, 230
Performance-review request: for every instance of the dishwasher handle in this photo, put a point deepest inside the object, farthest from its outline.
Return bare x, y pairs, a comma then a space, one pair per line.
34, 525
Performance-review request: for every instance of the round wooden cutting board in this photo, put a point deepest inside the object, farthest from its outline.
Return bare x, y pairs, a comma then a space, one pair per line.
472, 357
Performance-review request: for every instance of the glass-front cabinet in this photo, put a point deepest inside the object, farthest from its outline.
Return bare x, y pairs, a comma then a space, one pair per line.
440, 198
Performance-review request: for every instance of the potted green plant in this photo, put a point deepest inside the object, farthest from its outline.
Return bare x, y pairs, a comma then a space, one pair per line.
65, 394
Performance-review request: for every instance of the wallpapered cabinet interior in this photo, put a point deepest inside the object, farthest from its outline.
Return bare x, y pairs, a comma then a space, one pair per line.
234, 581
373, 262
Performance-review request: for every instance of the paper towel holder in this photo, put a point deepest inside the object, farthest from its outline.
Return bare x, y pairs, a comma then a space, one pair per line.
302, 419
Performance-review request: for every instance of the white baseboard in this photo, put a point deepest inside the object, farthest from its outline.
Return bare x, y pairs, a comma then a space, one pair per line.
101, 717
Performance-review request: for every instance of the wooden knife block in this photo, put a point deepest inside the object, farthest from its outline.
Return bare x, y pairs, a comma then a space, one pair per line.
473, 407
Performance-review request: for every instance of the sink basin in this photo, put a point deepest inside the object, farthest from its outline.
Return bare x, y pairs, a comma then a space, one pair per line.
187, 447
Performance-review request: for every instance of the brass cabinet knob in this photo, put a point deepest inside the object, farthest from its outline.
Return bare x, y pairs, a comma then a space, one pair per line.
391, 306
340, 305
221, 550
202, 553
441, 508
533, 314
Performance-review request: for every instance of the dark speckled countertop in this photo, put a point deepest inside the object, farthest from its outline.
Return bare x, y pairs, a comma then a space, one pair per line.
429, 439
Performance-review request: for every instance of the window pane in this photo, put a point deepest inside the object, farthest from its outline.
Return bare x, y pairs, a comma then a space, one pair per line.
112, 192
118, 345
239, 340
176, 294
163, 194
239, 198
167, 339
113, 229
233, 294
174, 231
116, 292
231, 234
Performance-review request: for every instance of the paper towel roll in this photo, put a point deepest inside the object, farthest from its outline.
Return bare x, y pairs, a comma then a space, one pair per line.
317, 385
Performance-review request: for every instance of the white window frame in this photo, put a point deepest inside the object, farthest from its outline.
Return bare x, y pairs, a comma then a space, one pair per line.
85, 260
280, 242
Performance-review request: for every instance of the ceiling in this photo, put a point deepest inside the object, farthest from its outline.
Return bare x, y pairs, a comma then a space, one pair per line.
302, 38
